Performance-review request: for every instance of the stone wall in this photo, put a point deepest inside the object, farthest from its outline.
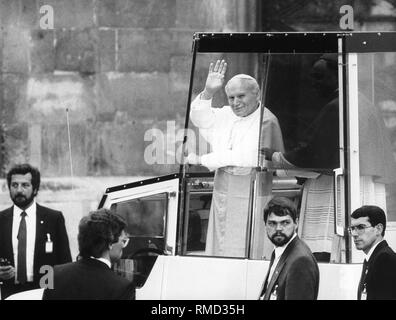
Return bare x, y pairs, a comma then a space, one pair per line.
120, 68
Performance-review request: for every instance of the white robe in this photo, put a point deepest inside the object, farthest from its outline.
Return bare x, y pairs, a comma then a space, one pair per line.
234, 143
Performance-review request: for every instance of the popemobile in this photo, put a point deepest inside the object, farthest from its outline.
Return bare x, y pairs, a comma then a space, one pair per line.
168, 216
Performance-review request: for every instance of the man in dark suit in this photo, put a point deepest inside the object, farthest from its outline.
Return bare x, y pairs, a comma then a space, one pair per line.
293, 273
101, 238
31, 236
378, 279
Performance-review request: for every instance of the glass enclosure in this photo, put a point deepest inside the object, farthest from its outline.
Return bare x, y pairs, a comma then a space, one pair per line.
377, 130
299, 120
377, 133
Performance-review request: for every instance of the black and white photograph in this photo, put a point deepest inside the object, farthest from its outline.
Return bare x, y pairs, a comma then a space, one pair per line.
215, 152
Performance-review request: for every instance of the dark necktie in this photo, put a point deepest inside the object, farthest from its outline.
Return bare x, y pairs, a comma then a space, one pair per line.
21, 272
268, 272
362, 279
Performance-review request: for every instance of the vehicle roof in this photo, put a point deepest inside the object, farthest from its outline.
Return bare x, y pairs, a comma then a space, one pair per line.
295, 42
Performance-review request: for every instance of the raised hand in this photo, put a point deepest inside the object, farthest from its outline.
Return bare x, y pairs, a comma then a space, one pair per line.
215, 79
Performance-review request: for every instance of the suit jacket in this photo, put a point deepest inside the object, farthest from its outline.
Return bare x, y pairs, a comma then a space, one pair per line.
88, 279
296, 276
47, 221
381, 274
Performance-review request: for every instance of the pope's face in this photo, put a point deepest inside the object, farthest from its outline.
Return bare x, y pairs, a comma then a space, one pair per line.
242, 98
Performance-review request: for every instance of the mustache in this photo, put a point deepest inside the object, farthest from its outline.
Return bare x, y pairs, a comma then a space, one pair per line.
278, 234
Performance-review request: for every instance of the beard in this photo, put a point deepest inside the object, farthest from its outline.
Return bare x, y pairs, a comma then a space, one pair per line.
22, 201
279, 239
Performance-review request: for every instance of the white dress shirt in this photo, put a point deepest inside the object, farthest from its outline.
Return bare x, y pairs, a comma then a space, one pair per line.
30, 237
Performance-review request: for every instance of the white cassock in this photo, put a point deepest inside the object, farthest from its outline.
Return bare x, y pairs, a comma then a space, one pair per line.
234, 152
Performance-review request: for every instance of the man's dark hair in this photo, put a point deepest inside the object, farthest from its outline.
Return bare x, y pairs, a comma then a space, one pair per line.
280, 206
97, 231
23, 169
375, 215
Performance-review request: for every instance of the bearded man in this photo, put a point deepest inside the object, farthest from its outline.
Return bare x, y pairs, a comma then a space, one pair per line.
31, 235
293, 273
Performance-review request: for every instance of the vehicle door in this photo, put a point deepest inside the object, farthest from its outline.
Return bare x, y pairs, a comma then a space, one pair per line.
149, 208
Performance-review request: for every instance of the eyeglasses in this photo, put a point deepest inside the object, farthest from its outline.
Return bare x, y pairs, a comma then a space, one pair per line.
125, 242
360, 229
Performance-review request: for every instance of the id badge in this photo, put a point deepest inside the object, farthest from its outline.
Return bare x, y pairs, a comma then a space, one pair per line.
273, 295
364, 294
49, 245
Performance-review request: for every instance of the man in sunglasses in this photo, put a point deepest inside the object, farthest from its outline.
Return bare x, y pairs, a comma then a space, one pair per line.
378, 279
101, 239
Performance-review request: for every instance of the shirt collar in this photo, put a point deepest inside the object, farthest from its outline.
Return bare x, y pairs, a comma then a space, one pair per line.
29, 211
279, 250
104, 260
368, 255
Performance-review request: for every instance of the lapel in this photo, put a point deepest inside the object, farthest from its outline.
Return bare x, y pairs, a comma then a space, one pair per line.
279, 267
266, 277
40, 232
6, 229
383, 244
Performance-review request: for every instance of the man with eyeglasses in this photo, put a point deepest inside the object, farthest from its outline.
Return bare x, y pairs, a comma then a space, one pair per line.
293, 273
378, 279
101, 239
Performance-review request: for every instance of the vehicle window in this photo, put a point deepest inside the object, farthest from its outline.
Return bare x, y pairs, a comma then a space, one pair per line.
196, 222
145, 219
